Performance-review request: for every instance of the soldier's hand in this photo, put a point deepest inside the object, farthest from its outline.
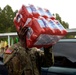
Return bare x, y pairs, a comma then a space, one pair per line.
48, 49
22, 32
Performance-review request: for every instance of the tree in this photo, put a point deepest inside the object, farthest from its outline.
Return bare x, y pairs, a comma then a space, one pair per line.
7, 17
1, 20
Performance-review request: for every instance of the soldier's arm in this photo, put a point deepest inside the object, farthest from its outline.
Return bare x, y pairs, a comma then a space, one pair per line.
47, 57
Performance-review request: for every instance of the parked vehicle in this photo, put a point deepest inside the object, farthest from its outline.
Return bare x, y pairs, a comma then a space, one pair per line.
65, 58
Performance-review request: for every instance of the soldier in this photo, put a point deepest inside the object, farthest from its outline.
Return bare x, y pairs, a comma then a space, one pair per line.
21, 60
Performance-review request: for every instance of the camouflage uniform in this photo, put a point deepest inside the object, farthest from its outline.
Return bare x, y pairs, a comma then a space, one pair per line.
27, 62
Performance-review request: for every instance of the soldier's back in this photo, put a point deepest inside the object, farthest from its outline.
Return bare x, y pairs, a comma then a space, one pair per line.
19, 62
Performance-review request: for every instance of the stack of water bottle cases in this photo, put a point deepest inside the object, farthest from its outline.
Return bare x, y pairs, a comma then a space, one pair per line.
43, 29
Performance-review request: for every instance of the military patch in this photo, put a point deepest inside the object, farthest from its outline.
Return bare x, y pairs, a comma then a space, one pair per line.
8, 51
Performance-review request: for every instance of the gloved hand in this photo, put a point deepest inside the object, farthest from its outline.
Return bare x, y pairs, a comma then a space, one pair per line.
48, 50
22, 33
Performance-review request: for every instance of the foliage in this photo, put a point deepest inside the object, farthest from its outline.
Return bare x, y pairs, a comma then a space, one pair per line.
6, 20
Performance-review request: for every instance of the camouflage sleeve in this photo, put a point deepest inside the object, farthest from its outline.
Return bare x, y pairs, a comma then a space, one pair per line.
13, 66
46, 57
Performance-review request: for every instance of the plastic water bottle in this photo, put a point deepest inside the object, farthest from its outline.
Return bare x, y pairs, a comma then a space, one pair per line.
64, 32
49, 15
42, 12
34, 11
48, 30
17, 21
52, 25
26, 12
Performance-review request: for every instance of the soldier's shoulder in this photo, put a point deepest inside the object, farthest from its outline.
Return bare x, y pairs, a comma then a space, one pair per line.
12, 48
9, 53
9, 50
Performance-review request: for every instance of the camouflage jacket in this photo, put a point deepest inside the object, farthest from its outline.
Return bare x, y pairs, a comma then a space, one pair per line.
27, 62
